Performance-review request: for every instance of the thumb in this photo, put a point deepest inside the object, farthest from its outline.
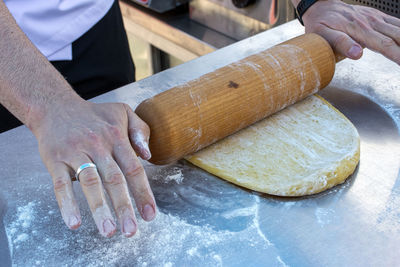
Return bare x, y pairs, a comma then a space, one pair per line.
139, 134
341, 43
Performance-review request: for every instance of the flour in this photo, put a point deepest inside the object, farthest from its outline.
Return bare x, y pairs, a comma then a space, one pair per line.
18, 230
166, 241
256, 221
172, 174
21, 238
239, 213
192, 252
324, 216
218, 259
282, 262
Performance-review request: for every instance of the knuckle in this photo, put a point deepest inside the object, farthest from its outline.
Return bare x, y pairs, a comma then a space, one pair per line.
99, 205
115, 132
348, 14
93, 137
357, 23
395, 58
146, 128
114, 179
132, 131
134, 171
339, 40
396, 36
60, 184
99, 151
126, 107
124, 208
90, 178
319, 28
387, 43
373, 20
90, 181
72, 143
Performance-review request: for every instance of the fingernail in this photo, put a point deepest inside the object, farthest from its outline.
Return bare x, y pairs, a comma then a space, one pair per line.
148, 212
354, 51
146, 151
73, 222
129, 226
108, 228
143, 145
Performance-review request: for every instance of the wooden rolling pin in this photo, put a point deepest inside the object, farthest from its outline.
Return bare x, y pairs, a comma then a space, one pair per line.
188, 117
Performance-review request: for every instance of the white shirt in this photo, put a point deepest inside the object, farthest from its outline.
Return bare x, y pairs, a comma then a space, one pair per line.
52, 25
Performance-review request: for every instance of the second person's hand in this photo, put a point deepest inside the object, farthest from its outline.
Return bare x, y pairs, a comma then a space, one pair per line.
349, 28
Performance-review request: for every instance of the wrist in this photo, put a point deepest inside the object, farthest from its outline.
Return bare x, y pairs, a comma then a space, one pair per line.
302, 7
54, 105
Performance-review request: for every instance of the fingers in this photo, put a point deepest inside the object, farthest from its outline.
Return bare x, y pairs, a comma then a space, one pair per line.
376, 35
341, 42
388, 30
94, 193
65, 195
384, 45
392, 20
139, 134
389, 37
137, 180
116, 187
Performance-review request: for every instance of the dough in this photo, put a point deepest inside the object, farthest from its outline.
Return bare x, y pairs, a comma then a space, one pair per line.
301, 150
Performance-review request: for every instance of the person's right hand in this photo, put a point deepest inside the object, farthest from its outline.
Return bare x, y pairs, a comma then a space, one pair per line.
349, 28
107, 135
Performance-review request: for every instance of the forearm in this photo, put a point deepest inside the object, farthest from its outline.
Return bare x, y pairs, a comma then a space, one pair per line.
29, 85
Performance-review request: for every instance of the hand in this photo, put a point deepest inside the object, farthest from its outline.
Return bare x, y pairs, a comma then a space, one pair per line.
107, 135
348, 28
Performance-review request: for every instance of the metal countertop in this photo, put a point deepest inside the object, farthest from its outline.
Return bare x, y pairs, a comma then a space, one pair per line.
203, 220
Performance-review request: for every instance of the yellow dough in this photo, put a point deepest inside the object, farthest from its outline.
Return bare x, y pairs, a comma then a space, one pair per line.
301, 150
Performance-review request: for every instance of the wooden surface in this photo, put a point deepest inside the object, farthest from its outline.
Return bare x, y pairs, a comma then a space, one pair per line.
193, 115
158, 33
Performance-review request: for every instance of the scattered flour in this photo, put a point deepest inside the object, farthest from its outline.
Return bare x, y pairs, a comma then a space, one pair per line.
21, 238
323, 216
19, 229
218, 260
167, 241
282, 262
243, 212
192, 252
177, 176
172, 174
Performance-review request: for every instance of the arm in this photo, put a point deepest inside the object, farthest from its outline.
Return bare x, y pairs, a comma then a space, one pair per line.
71, 132
349, 28
27, 79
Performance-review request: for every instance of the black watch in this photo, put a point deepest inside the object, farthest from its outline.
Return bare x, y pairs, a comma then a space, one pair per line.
302, 8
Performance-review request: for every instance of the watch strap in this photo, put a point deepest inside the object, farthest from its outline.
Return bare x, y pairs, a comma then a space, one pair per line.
302, 8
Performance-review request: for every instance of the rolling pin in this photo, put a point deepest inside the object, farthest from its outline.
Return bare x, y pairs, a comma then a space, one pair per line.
193, 115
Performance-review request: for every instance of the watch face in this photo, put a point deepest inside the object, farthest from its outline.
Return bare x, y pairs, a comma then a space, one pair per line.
242, 3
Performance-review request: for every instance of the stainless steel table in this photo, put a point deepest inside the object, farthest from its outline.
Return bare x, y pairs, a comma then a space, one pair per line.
204, 221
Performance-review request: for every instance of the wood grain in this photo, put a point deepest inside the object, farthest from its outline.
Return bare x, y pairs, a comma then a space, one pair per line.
193, 115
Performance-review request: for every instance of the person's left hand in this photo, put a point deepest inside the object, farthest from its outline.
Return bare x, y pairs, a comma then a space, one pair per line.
108, 135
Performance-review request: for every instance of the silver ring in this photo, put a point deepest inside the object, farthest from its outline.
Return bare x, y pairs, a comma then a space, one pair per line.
82, 167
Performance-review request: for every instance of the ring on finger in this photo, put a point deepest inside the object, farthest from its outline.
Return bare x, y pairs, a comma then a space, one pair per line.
82, 167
